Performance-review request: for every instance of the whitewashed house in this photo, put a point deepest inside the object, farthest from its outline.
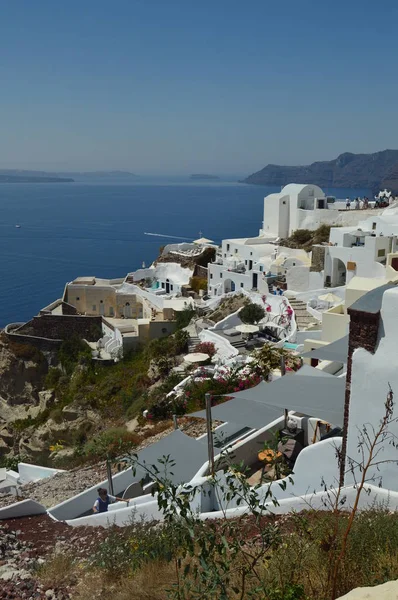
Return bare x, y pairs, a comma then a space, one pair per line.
297, 206
163, 278
369, 250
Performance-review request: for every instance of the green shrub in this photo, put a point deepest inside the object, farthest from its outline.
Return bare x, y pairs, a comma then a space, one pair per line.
252, 313
198, 283
184, 317
301, 236
72, 351
111, 442
26, 352
52, 378
181, 341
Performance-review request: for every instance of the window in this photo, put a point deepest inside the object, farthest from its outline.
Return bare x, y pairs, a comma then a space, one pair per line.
220, 275
111, 311
211, 275
241, 285
373, 226
381, 253
94, 307
77, 298
227, 247
294, 264
236, 251
171, 287
261, 269
251, 253
284, 202
245, 262
225, 256
101, 301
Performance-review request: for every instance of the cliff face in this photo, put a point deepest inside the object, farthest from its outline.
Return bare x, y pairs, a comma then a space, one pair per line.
374, 171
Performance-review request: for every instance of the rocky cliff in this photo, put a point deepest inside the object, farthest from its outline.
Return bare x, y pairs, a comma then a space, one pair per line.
373, 171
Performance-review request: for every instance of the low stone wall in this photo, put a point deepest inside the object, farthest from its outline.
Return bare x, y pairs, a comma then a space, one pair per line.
60, 327
317, 259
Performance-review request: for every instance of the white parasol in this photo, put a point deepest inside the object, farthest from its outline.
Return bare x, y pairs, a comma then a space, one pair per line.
196, 357
330, 298
246, 328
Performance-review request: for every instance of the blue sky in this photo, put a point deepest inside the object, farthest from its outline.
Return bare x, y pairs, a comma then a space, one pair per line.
175, 87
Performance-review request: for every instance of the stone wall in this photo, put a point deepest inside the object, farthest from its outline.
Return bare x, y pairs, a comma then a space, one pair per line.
317, 258
60, 327
200, 271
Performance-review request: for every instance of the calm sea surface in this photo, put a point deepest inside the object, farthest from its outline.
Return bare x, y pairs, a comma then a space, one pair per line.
69, 230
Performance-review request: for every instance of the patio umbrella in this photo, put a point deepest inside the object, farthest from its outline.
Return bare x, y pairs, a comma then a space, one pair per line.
330, 298
196, 357
246, 328
201, 241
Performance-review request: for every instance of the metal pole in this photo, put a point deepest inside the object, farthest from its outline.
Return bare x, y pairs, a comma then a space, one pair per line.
283, 366
175, 421
109, 473
210, 447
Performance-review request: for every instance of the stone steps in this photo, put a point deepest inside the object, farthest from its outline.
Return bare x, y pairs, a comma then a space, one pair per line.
303, 318
192, 343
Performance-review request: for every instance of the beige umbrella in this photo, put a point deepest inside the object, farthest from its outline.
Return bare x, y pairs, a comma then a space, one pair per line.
201, 241
330, 298
196, 357
246, 328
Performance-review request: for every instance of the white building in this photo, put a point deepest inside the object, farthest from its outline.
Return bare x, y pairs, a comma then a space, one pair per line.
249, 264
163, 278
366, 251
244, 263
297, 206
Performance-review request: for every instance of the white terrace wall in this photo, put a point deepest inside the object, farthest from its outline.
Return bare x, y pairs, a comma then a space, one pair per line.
372, 374
29, 473
224, 349
83, 502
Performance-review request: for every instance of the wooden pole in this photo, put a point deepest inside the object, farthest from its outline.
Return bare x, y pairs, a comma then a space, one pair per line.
209, 424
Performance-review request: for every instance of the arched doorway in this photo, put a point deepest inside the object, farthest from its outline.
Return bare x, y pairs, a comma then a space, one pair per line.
167, 286
127, 311
102, 308
339, 273
229, 286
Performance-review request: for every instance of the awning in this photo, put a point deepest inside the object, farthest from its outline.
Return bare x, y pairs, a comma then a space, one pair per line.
336, 351
187, 453
320, 397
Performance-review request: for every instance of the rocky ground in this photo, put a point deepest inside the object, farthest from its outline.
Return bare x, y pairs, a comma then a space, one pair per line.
24, 546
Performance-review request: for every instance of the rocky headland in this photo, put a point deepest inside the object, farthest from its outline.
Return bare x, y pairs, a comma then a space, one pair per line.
373, 171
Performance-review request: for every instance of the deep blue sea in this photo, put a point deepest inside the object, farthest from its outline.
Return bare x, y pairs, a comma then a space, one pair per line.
73, 229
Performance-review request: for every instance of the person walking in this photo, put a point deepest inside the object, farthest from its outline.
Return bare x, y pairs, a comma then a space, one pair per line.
348, 204
104, 500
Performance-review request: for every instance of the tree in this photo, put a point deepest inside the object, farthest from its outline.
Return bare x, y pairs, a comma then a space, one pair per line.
252, 313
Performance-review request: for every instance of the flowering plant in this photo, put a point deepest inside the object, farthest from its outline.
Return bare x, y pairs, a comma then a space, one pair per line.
206, 348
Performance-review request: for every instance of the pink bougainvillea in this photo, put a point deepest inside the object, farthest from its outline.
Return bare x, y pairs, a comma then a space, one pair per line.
206, 347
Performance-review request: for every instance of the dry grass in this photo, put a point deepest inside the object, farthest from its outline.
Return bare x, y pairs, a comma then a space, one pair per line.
150, 583
58, 571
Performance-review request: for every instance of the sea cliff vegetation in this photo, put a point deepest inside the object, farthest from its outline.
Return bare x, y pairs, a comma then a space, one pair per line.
88, 410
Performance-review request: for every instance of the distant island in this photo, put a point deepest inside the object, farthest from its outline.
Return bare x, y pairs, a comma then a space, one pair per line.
26, 176
373, 171
100, 175
204, 177
21, 177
